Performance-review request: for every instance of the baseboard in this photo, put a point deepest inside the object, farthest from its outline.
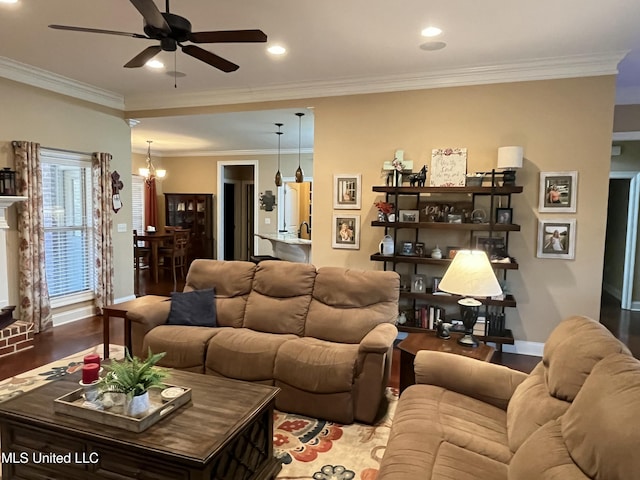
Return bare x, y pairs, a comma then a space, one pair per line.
635, 306
73, 315
611, 290
525, 348
125, 299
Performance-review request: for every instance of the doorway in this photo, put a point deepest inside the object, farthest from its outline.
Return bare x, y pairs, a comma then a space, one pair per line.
236, 215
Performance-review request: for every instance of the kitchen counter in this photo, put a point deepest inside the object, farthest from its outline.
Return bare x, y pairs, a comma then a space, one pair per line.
288, 246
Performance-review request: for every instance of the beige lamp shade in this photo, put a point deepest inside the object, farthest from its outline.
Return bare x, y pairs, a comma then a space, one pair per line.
470, 274
510, 157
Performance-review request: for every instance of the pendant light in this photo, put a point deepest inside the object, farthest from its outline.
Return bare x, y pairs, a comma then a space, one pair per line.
299, 172
151, 172
278, 175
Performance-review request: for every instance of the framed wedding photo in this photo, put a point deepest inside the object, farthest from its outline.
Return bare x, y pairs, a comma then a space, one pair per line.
504, 215
557, 239
346, 191
346, 231
558, 192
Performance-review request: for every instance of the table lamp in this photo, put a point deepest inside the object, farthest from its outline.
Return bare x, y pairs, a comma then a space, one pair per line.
509, 158
470, 275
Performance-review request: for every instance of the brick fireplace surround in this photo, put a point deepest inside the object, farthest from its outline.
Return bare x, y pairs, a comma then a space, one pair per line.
16, 337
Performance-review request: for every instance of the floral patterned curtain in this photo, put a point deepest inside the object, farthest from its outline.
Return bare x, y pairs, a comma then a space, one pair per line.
34, 295
102, 224
150, 203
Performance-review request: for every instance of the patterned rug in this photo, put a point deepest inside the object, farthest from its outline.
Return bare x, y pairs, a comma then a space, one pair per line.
309, 449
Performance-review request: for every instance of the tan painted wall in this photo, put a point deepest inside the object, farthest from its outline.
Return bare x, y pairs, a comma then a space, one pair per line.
562, 125
59, 122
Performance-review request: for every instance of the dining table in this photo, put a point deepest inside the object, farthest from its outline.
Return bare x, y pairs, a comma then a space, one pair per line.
155, 241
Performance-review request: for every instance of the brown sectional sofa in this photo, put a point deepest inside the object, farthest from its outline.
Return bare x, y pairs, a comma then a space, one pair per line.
323, 335
574, 417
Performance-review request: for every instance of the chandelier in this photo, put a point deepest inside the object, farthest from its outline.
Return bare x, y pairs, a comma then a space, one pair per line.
150, 172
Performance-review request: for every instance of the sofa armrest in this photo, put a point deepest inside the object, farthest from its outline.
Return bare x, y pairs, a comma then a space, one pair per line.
488, 382
150, 316
379, 339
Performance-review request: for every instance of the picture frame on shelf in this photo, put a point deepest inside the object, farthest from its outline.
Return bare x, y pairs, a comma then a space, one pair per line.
451, 252
435, 285
347, 191
448, 167
558, 192
418, 283
409, 216
495, 247
346, 231
504, 216
419, 249
557, 239
407, 249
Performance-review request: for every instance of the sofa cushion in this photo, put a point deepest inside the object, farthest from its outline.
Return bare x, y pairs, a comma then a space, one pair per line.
441, 434
571, 351
185, 346
280, 297
195, 308
317, 366
232, 281
595, 438
243, 354
347, 303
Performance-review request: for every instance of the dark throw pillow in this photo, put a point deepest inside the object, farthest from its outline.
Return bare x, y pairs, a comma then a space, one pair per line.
196, 308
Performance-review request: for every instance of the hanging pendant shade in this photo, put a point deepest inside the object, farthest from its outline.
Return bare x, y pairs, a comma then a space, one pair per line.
299, 172
278, 179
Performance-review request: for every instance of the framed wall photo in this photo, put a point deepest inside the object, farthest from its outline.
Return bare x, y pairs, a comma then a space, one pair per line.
558, 192
504, 215
346, 231
557, 239
347, 191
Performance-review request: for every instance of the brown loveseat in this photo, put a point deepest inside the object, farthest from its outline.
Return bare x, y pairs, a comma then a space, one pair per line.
324, 336
574, 417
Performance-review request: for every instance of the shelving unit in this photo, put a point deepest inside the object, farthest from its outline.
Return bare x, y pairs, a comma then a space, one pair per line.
195, 212
495, 194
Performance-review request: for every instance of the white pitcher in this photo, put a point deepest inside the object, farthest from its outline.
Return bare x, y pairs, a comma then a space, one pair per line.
386, 245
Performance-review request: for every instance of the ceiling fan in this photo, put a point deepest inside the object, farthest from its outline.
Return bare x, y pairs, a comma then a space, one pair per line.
172, 30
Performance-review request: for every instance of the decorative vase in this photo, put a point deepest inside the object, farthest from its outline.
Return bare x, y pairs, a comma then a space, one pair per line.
138, 405
397, 179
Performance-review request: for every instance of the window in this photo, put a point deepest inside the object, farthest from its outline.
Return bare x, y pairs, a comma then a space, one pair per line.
137, 203
68, 225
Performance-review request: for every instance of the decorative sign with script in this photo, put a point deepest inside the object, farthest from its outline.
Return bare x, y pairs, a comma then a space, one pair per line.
448, 167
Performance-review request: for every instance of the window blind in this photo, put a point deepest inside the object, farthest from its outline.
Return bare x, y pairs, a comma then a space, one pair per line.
137, 203
68, 222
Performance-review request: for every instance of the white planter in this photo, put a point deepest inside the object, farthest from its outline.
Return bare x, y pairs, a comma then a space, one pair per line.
138, 405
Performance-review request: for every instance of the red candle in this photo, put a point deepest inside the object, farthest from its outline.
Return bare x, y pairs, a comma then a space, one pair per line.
93, 358
90, 373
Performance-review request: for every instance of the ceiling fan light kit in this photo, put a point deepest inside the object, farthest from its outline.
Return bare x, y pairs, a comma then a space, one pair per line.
299, 172
172, 31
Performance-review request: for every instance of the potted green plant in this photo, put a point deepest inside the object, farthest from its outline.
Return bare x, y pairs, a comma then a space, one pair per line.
134, 377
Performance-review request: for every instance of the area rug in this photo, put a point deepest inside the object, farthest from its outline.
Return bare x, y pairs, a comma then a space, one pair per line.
309, 449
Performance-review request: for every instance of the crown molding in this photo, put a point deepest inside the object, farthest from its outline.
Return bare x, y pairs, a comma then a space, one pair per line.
221, 153
37, 77
536, 69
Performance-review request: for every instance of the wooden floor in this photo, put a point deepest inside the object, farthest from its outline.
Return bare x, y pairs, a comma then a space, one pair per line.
67, 339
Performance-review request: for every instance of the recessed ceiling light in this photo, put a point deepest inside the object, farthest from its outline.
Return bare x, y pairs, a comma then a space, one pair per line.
431, 46
155, 64
277, 50
431, 32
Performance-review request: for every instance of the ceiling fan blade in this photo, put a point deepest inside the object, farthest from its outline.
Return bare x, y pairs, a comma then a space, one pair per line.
143, 57
151, 14
231, 36
210, 58
97, 30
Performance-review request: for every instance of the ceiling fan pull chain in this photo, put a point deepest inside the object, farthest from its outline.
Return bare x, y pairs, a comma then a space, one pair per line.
175, 67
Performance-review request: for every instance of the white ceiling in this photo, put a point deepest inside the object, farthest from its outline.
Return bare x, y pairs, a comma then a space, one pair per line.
333, 47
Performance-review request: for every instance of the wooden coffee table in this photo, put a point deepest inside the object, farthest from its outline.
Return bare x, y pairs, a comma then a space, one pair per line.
415, 342
225, 432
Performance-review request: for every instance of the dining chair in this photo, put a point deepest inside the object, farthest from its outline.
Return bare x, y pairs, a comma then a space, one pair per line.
174, 254
140, 252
